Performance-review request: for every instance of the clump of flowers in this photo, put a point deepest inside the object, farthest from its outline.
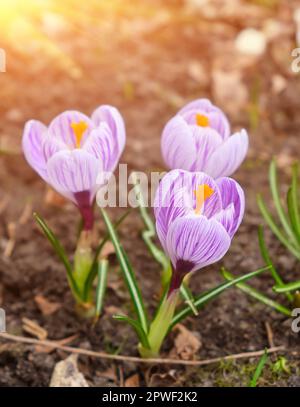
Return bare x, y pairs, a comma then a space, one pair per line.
72, 155
196, 219
198, 138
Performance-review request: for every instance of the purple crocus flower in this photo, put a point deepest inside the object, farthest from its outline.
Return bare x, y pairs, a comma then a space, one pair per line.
74, 150
198, 139
196, 219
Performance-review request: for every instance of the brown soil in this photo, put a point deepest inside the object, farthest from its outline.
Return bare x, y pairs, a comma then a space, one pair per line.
147, 59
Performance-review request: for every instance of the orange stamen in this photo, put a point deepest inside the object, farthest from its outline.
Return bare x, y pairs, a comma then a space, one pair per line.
202, 120
79, 129
203, 192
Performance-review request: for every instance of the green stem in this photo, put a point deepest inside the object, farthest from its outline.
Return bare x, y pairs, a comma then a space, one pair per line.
160, 326
83, 260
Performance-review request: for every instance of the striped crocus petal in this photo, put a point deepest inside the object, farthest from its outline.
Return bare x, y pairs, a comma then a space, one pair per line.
225, 160
103, 145
72, 172
217, 119
233, 204
62, 128
178, 144
32, 144
206, 140
52, 146
178, 196
197, 241
180, 204
112, 117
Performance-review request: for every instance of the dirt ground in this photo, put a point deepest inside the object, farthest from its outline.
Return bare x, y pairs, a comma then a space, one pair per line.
147, 58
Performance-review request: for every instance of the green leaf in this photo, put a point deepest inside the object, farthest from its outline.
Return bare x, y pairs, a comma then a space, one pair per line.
202, 299
292, 202
94, 267
188, 297
137, 327
101, 285
275, 229
257, 295
259, 369
59, 251
287, 287
265, 254
275, 194
128, 273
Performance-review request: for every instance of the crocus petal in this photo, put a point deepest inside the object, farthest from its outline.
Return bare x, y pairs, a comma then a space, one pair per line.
202, 104
61, 128
197, 240
176, 197
104, 146
217, 118
73, 171
232, 195
206, 140
115, 122
51, 146
178, 145
226, 218
32, 144
211, 205
176, 209
225, 160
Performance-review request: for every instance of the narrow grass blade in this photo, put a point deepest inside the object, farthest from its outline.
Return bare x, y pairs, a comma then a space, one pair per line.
265, 255
59, 251
202, 299
292, 202
277, 202
137, 327
259, 369
188, 297
257, 295
128, 273
275, 229
101, 285
94, 267
287, 287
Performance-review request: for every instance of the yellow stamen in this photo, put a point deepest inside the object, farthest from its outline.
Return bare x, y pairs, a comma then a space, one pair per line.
79, 129
202, 120
203, 192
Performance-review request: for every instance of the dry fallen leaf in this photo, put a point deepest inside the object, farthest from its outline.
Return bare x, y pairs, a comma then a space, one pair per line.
34, 329
187, 343
48, 349
133, 381
45, 306
67, 374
